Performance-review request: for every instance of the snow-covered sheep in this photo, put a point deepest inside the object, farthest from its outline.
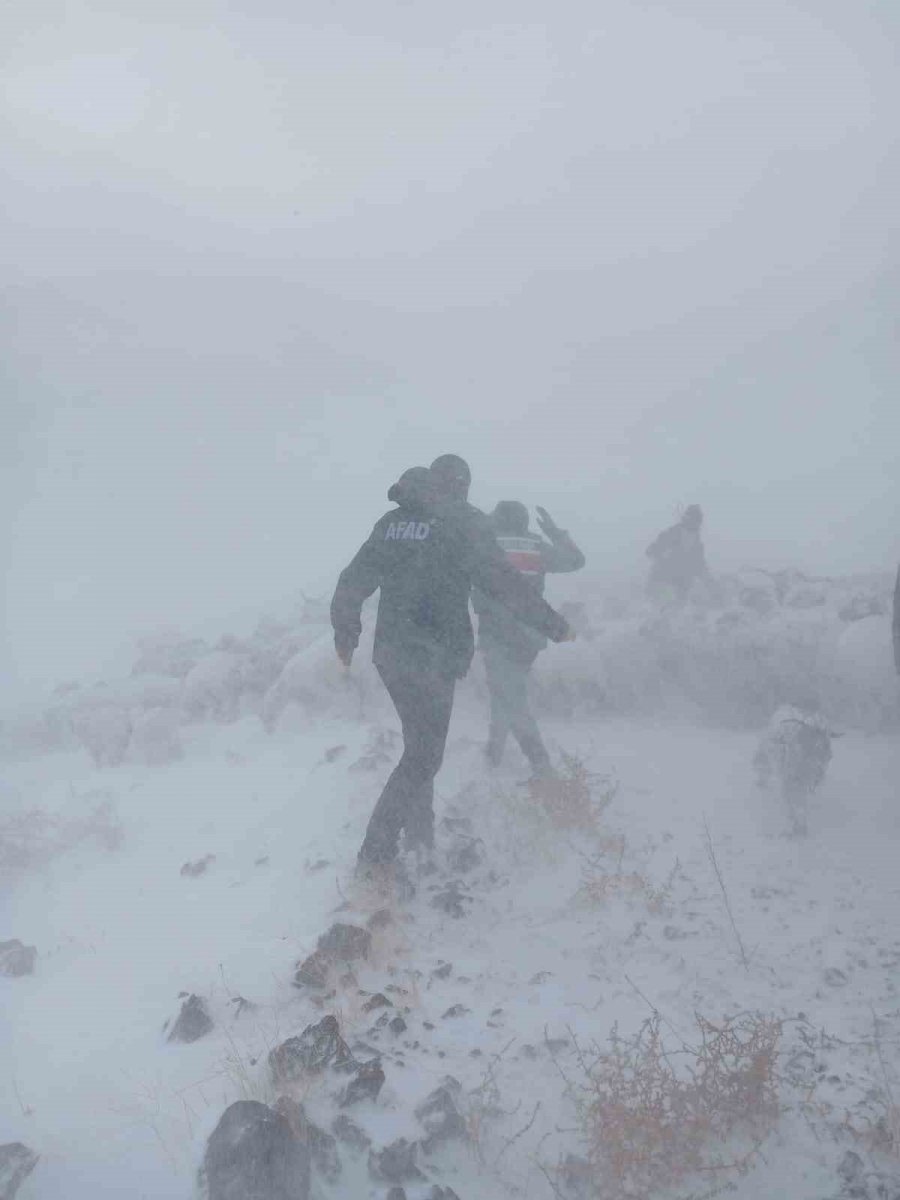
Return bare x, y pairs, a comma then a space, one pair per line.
213, 687
104, 730
314, 682
792, 758
155, 738
168, 653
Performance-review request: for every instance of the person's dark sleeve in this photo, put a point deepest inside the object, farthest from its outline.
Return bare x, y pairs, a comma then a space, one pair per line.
493, 574
897, 623
561, 555
356, 583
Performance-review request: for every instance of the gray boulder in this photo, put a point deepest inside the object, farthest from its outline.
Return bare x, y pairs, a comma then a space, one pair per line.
341, 944
254, 1154
349, 1133
345, 943
317, 1047
365, 1084
193, 1022
439, 1116
396, 1163
322, 1147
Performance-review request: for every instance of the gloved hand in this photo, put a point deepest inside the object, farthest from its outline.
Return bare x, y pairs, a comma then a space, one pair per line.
547, 525
344, 652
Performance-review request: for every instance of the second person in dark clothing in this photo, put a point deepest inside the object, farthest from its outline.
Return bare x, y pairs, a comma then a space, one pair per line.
424, 555
510, 647
677, 559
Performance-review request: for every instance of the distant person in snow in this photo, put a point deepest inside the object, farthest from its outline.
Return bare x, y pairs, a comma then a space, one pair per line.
896, 626
425, 555
510, 647
677, 558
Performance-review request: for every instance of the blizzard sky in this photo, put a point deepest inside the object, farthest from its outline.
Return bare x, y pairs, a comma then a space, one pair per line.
264, 256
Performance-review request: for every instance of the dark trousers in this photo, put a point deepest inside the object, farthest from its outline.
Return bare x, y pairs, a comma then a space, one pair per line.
507, 676
424, 702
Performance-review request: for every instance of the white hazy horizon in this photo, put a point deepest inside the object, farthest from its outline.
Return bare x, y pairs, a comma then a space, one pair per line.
622, 260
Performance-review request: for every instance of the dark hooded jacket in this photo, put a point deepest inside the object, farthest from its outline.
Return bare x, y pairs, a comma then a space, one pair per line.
534, 558
677, 557
425, 555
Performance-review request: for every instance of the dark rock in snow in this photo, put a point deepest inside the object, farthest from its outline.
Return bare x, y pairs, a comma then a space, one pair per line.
15, 960
439, 1116
193, 869
464, 855
442, 971
313, 971
319, 865
193, 1022
851, 1169
341, 944
253, 1154
349, 1133
452, 900
345, 943
442, 1193
365, 1084
16, 1164
377, 1001
835, 977
456, 1010
363, 1050
318, 1046
396, 1163
379, 920
321, 1145
397, 1026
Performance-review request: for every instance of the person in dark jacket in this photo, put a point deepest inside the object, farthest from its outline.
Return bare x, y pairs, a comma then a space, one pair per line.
424, 555
677, 558
508, 646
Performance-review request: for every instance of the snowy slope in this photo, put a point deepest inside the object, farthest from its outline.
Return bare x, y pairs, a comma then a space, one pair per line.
567, 931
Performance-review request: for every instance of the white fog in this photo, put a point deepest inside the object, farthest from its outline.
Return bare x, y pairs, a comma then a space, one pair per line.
623, 260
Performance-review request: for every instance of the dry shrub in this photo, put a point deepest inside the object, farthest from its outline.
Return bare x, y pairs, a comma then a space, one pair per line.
605, 878
648, 1127
524, 824
602, 886
575, 799
876, 1124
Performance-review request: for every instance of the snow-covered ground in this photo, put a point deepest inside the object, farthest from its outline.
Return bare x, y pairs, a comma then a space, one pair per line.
682, 896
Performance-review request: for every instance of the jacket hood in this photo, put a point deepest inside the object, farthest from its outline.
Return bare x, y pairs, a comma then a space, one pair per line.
510, 517
414, 489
